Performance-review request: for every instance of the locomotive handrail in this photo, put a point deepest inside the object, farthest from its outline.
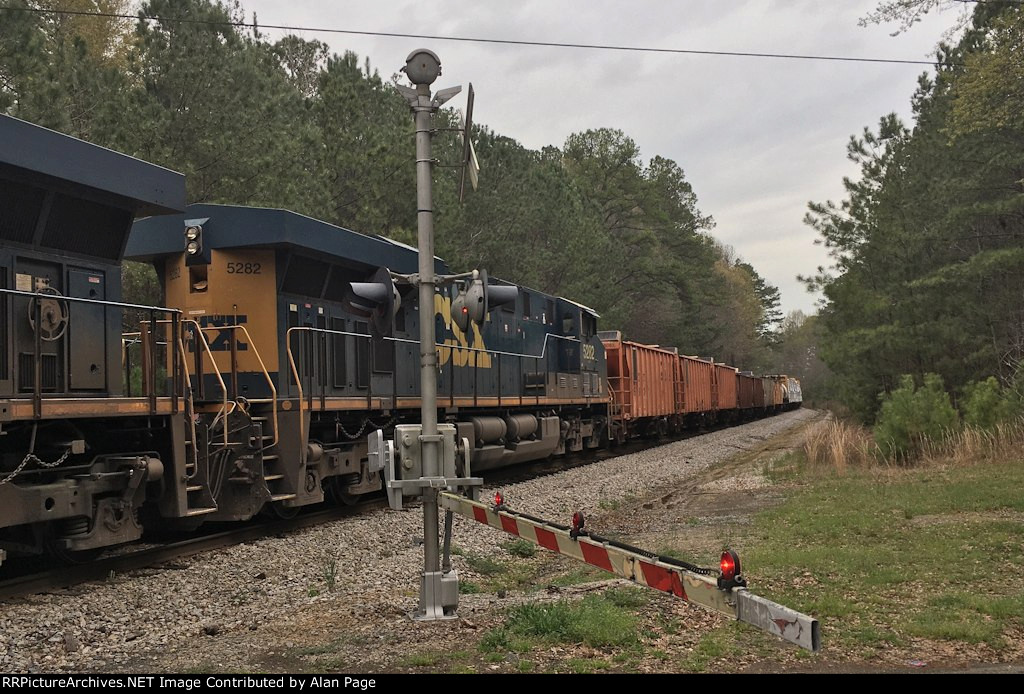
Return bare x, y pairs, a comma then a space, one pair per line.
190, 410
405, 340
37, 400
136, 338
216, 372
266, 374
83, 300
128, 339
291, 358
325, 331
542, 355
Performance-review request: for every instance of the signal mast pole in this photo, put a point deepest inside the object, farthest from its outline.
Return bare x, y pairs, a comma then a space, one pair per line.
423, 67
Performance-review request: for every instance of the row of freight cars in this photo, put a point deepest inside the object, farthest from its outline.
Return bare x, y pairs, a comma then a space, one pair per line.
657, 390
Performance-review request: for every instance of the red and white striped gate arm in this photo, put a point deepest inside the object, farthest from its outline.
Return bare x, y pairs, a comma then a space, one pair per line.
737, 603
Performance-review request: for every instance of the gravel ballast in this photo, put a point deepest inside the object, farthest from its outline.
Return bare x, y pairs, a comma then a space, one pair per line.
366, 567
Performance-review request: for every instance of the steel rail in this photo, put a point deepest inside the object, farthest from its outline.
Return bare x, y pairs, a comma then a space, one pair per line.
102, 569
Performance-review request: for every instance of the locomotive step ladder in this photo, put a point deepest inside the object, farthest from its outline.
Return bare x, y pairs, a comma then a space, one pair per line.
274, 474
262, 413
199, 499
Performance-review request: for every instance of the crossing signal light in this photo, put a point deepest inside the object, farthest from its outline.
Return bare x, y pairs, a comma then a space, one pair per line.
731, 575
474, 302
578, 522
377, 300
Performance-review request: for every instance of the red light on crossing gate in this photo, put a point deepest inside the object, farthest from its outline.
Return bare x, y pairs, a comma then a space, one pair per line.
499, 500
578, 521
730, 565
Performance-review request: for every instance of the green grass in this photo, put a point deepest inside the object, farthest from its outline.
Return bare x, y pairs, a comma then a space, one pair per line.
469, 588
582, 574
586, 666
422, 660
720, 643
497, 577
520, 548
594, 621
893, 556
788, 467
628, 597
485, 566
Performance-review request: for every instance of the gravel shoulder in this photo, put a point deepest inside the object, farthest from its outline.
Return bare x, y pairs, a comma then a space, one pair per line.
336, 597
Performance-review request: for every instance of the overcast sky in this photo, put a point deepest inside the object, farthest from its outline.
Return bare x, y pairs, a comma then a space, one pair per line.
758, 138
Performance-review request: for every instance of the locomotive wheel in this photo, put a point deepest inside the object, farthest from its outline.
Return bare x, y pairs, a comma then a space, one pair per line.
55, 547
333, 490
175, 526
345, 499
277, 509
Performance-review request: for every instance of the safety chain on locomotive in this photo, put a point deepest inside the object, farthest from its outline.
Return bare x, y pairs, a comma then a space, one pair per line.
31, 457
363, 427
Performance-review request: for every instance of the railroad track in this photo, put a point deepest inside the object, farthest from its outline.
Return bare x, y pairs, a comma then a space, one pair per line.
65, 576
57, 577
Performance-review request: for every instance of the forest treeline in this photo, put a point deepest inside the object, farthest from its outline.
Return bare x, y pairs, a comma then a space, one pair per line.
286, 123
928, 274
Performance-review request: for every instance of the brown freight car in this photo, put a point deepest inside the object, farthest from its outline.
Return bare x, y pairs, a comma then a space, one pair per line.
758, 394
773, 393
745, 391
644, 383
698, 378
725, 389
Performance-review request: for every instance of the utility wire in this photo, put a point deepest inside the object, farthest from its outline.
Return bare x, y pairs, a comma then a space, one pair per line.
472, 39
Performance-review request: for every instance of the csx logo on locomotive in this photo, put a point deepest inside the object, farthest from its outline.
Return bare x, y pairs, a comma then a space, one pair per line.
456, 350
221, 341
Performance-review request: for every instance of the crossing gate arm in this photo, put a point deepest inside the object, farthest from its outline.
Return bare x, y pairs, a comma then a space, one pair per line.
693, 584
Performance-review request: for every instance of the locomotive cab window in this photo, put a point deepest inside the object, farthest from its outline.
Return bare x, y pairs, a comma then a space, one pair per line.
589, 325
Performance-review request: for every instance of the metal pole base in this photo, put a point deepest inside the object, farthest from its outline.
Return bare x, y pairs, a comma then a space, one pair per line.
439, 596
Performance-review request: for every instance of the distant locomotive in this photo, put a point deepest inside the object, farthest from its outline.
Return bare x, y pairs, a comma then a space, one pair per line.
255, 390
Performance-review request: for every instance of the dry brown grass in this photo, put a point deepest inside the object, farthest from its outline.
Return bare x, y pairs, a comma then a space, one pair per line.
971, 445
837, 445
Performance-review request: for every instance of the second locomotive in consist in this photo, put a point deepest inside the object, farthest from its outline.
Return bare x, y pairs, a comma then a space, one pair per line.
271, 292
285, 343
